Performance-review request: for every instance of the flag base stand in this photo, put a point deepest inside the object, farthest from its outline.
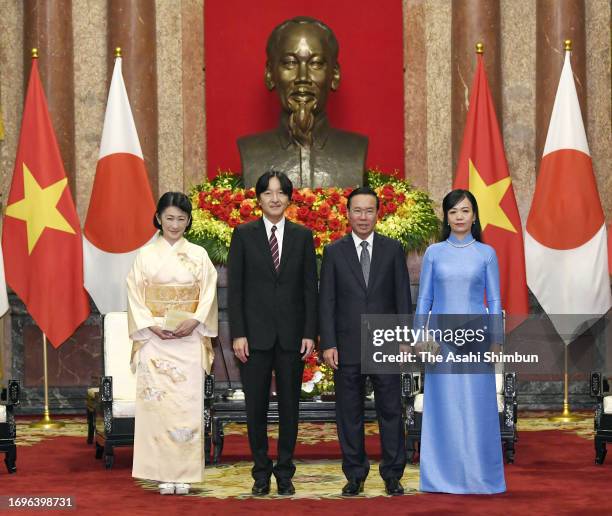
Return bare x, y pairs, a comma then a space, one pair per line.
46, 423
567, 417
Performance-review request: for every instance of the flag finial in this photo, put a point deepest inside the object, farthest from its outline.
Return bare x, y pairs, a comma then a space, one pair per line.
34, 53
567, 45
117, 51
480, 48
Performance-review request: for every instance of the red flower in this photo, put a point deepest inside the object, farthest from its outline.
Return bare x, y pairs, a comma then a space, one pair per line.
319, 226
309, 199
336, 235
245, 210
297, 197
400, 198
239, 196
390, 207
334, 197
317, 242
348, 229
312, 360
303, 213
342, 209
308, 375
250, 194
233, 222
334, 224
387, 192
312, 216
324, 210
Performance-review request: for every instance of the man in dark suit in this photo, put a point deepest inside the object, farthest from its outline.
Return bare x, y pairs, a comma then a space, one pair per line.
272, 307
363, 273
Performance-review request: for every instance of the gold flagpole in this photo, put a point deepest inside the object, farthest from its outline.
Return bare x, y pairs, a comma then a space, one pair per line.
46, 423
566, 416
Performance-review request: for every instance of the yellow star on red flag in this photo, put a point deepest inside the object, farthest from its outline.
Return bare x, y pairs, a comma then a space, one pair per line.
38, 208
489, 198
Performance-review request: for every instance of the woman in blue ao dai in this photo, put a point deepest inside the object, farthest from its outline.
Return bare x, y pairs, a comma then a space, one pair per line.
461, 449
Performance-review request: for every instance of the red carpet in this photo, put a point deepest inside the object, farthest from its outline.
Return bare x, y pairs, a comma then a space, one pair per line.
554, 474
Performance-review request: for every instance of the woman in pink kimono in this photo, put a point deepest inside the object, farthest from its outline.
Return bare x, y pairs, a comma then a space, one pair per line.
172, 314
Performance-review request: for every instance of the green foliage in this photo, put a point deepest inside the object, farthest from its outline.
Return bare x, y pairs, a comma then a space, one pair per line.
414, 224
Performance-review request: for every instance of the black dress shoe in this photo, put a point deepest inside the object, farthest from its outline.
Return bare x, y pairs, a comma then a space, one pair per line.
353, 487
285, 487
393, 487
261, 487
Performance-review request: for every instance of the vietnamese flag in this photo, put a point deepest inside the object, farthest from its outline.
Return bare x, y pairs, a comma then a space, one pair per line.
121, 208
483, 170
41, 237
565, 242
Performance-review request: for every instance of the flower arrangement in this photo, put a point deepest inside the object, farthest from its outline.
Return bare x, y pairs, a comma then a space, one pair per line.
317, 378
221, 204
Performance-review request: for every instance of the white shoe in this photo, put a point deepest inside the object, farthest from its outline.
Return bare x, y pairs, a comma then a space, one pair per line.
181, 489
166, 488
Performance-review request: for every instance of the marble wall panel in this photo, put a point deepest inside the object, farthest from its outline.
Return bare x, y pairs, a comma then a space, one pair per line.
11, 88
518, 98
91, 64
415, 92
170, 94
438, 46
194, 117
599, 94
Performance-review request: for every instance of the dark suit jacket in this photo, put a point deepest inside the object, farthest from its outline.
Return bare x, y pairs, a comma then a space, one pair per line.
343, 296
264, 305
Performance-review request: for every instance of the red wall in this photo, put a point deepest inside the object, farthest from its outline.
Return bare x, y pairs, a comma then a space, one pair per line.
370, 99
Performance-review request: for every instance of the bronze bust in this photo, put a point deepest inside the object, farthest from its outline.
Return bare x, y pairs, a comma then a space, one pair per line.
302, 65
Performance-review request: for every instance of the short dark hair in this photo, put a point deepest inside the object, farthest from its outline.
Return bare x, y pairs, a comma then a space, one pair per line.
332, 42
450, 200
178, 200
264, 180
362, 190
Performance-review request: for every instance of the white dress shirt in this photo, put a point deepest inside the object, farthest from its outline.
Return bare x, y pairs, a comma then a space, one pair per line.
280, 228
357, 241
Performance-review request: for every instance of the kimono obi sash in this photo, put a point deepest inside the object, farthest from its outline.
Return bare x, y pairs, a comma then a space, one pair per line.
161, 298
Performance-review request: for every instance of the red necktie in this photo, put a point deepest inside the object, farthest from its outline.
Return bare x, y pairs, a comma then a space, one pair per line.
274, 248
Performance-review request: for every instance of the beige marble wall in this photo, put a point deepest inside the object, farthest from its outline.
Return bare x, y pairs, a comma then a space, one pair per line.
415, 94
169, 94
518, 98
91, 68
194, 82
599, 96
11, 87
438, 80
11, 106
427, 51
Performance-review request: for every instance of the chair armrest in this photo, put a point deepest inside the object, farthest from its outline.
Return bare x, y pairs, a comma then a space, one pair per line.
209, 386
412, 384
106, 389
510, 385
10, 395
599, 385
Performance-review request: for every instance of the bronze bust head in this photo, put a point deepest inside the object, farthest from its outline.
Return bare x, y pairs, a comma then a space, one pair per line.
302, 66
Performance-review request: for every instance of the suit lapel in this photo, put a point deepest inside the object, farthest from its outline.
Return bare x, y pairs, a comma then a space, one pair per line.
261, 239
378, 253
288, 245
350, 253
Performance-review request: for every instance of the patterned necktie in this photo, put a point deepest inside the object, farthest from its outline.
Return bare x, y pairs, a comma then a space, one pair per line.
274, 248
364, 260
